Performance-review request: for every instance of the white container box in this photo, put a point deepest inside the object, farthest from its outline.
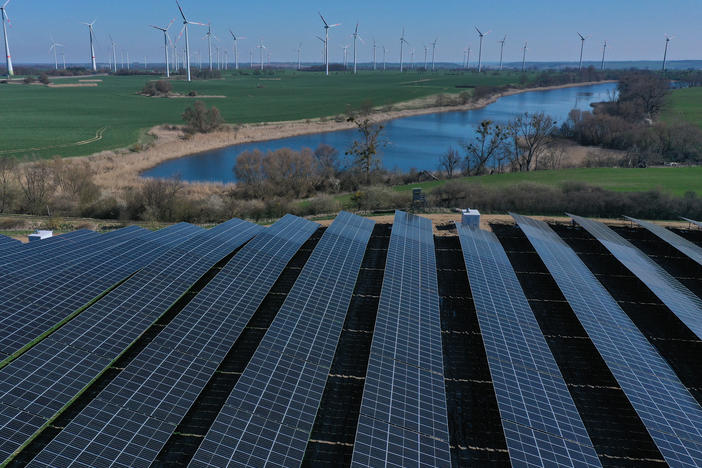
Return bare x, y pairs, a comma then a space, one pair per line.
470, 218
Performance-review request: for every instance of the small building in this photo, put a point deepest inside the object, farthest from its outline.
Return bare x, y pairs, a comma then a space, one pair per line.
470, 218
40, 234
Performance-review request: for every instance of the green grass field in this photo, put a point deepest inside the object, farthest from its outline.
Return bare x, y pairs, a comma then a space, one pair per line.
673, 180
685, 104
51, 121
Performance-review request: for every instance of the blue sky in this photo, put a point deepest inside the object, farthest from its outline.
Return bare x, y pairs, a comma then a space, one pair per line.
634, 29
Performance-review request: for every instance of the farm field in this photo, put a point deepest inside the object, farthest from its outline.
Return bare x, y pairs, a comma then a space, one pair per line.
79, 121
685, 104
673, 180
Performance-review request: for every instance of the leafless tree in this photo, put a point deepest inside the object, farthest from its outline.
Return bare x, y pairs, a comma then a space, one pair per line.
366, 148
488, 144
36, 182
160, 198
530, 134
449, 162
200, 119
249, 172
8, 166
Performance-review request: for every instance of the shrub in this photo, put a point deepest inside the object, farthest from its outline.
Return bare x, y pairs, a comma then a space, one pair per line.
44, 79
200, 119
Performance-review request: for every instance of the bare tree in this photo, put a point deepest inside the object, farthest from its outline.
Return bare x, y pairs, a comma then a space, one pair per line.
160, 198
449, 162
200, 119
489, 143
530, 134
8, 165
646, 91
249, 172
36, 182
366, 148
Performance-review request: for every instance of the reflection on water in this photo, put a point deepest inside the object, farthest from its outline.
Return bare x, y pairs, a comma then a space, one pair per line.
414, 142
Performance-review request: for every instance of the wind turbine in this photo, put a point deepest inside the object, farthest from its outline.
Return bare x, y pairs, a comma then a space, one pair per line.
426, 53
324, 47
346, 51
54, 46
480, 49
412, 51
327, 27
665, 53
8, 57
166, 39
468, 57
604, 49
236, 48
299, 54
187, 41
403, 41
582, 46
63, 57
114, 54
260, 46
433, 53
355, 36
385, 51
502, 48
251, 54
92, 48
208, 35
524, 56
375, 47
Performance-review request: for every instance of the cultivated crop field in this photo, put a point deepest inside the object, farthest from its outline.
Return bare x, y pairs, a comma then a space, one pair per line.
79, 121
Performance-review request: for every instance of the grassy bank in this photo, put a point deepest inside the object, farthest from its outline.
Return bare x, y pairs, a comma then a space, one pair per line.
83, 120
685, 104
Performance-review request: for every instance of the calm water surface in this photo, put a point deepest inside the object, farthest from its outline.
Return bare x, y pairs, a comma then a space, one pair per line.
414, 142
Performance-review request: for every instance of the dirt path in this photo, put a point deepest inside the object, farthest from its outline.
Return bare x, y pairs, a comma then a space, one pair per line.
98, 136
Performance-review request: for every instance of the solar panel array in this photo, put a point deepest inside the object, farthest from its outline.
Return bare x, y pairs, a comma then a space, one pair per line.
39, 383
690, 249
680, 300
671, 415
154, 392
268, 417
69, 240
6, 242
403, 420
692, 221
29, 312
539, 418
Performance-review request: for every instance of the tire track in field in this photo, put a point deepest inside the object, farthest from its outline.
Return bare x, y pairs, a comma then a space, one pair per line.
98, 136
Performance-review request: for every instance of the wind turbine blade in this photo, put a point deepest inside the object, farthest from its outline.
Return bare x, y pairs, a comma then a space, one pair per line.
334, 25
355, 32
170, 24
479, 33
8, 1
181, 11
323, 20
581, 36
195, 22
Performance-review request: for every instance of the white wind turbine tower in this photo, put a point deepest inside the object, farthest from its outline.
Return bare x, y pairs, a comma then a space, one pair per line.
236, 48
114, 54
260, 47
6, 19
54, 46
433, 53
346, 51
665, 53
208, 35
251, 54
426, 54
403, 41
355, 37
604, 49
524, 56
327, 27
468, 56
385, 51
582, 46
92, 47
375, 62
63, 58
187, 41
502, 48
412, 51
166, 40
480, 49
299, 55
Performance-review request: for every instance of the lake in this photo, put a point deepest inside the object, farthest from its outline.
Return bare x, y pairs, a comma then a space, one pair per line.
414, 142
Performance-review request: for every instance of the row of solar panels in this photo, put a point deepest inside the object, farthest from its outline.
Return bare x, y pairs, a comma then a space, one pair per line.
268, 416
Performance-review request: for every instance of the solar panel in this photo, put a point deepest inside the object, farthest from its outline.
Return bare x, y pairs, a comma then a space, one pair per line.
71, 239
29, 313
671, 415
50, 374
692, 221
403, 420
6, 242
40, 267
539, 418
155, 391
683, 245
268, 417
680, 300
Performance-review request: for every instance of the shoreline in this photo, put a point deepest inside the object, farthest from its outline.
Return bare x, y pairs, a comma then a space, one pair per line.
119, 169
